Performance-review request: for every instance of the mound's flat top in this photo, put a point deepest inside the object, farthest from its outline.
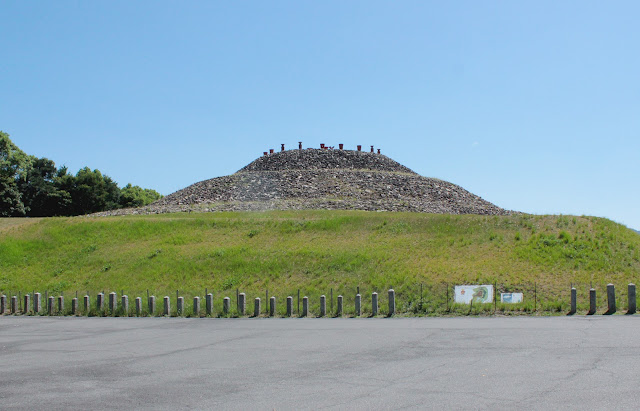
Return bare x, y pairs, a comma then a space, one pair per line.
320, 159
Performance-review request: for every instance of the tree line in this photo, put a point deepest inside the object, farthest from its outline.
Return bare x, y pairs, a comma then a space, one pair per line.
35, 187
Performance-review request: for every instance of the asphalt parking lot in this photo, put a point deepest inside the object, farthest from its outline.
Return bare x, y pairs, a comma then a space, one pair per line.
417, 363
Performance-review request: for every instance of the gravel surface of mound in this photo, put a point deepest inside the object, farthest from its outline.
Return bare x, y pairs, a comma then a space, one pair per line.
322, 179
314, 159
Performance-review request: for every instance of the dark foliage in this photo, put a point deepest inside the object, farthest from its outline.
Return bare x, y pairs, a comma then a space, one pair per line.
34, 187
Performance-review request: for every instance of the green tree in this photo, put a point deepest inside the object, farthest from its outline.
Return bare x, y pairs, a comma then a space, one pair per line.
41, 194
35, 187
93, 192
136, 196
14, 164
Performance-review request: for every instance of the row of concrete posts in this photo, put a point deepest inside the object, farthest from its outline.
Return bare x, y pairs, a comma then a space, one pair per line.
55, 305
611, 300
58, 309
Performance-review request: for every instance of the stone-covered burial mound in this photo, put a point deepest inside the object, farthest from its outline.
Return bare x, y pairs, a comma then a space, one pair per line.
322, 179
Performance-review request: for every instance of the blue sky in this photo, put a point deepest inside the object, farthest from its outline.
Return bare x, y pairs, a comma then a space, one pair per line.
533, 105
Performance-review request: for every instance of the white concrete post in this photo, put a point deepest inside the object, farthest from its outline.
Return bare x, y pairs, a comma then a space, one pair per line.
167, 306
113, 303
180, 306
305, 306
87, 302
27, 303
61, 305
323, 306
611, 299
392, 302
574, 298
631, 293
138, 303
14, 305
272, 306
209, 303
592, 301
196, 306
37, 298
358, 305
242, 304
256, 307
374, 304
289, 306
152, 305
226, 305
74, 306
100, 302
51, 305
125, 305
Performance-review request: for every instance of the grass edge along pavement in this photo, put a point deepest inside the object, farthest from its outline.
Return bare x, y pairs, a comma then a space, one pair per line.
108, 306
277, 253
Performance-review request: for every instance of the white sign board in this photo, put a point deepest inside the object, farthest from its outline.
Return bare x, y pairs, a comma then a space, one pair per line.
464, 294
511, 298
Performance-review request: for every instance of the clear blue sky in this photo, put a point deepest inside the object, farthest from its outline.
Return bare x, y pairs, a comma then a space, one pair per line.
534, 106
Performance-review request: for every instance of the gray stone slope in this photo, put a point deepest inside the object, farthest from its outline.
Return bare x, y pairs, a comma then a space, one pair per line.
316, 159
322, 179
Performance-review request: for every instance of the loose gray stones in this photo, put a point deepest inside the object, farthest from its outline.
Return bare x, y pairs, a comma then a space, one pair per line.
322, 179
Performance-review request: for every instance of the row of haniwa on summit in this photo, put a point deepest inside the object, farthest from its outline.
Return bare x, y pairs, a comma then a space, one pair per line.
322, 147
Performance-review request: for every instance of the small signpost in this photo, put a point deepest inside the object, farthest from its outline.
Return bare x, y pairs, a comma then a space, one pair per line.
465, 294
511, 298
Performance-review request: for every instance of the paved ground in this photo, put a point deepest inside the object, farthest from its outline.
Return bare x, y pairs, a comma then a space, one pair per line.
457, 363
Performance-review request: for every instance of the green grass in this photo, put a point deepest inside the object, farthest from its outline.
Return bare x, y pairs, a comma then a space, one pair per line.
316, 252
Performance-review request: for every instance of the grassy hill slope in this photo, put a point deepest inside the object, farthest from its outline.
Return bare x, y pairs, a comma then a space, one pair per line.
317, 252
